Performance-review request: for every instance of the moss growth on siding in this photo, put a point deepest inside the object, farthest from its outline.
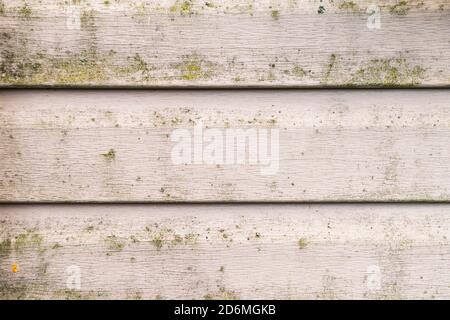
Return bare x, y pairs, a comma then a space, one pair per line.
13, 69
25, 12
110, 155
140, 9
349, 6
302, 243
222, 294
2, 8
182, 7
137, 67
140, 64
275, 14
161, 236
388, 72
194, 68
20, 291
157, 241
114, 243
87, 19
85, 67
69, 294
13, 291
271, 76
298, 72
89, 229
56, 246
401, 8
134, 296
192, 71
330, 66
5, 246
27, 239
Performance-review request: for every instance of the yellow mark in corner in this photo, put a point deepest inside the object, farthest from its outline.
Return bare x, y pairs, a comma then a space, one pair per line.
14, 268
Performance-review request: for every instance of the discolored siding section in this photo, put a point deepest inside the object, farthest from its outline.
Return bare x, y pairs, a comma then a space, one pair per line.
354, 251
116, 145
241, 43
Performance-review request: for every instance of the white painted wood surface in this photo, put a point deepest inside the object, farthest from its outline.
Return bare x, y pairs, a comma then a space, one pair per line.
326, 251
115, 146
373, 145
232, 43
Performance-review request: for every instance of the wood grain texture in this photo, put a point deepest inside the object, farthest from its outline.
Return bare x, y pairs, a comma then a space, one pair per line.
232, 43
373, 145
377, 251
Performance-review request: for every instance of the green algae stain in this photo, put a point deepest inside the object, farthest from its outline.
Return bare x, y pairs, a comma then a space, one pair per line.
388, 72
221, 294
87, 19
194, 68
27, 239
401, 8
186, 7
2, 8
271, 76
13, 291
25, 12
140, 64
157, 241
298, 72
39, 69
182, 7
165, 237
137, 67
110, 155
85, 68
192, 71
331, 65
114, 243
56, 246
377, 72
302, 243
13, 69
348, 6
72, 294
275, 14
140, 12
5, 246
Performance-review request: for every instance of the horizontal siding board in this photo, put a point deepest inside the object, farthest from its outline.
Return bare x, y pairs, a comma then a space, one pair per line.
224, 44
353, 251
100, 146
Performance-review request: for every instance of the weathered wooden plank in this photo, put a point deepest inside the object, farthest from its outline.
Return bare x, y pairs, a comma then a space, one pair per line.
375, 145
377, 251
225, 43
